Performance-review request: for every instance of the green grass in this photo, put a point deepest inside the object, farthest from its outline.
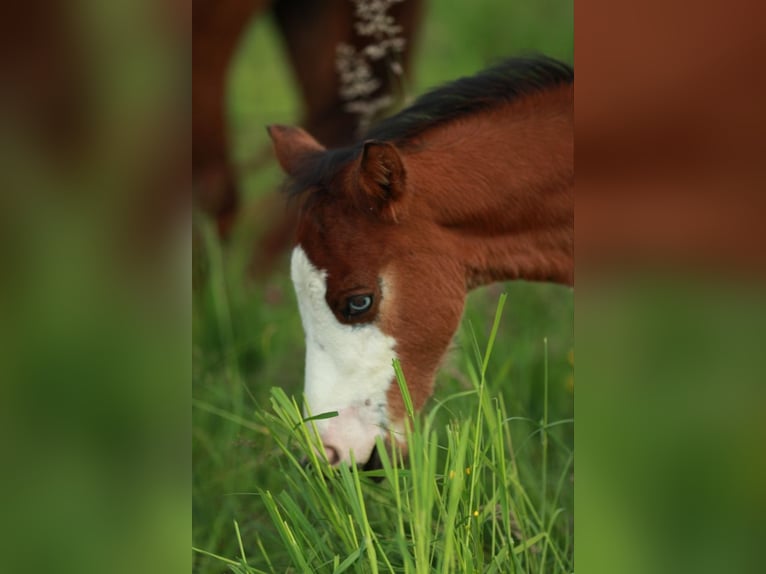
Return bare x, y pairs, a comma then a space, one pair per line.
503, 405
484, 489
502, 409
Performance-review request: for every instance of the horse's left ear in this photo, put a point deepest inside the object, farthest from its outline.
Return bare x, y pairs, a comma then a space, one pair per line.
292, 145
381, 175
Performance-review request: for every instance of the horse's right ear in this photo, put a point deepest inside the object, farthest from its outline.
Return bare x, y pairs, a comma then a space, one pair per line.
292, 145
381, 177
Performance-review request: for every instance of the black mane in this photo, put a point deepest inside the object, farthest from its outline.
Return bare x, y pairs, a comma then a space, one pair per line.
501, 83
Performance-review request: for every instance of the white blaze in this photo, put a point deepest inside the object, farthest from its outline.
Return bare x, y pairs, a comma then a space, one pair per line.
348, 368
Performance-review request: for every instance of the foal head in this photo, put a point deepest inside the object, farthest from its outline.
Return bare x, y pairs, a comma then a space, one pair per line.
470, 184
373, 284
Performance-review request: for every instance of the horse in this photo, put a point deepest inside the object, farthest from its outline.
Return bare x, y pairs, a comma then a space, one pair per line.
312, 32
471, 184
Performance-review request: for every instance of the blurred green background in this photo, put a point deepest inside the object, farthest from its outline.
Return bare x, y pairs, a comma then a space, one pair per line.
247, 336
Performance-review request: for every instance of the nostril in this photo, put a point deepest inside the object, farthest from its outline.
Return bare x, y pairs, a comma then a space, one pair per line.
331, 454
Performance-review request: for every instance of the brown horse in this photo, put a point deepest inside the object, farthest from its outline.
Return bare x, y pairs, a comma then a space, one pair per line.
471, 184
312, 31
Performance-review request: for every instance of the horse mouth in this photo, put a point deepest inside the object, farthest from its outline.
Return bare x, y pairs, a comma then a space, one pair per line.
374, 462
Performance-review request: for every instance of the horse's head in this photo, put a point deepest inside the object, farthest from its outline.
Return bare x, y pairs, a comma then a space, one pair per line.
374, 282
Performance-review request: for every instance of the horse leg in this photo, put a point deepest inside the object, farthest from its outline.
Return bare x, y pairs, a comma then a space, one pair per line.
312, 32
216, 29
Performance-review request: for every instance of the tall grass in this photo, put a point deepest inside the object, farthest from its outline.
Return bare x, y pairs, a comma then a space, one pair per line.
460, 503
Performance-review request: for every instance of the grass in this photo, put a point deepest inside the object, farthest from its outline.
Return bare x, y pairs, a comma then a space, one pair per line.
481, 491
503, 407
488, 485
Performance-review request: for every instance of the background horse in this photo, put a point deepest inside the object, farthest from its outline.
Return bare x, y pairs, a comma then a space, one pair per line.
471, 184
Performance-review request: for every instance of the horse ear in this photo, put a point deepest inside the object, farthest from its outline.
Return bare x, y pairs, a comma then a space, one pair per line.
292, 145
381, 173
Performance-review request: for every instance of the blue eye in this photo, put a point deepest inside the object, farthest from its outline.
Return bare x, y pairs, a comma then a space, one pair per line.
358, 304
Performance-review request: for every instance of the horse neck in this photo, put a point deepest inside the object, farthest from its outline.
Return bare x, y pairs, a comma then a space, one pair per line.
499, 189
